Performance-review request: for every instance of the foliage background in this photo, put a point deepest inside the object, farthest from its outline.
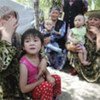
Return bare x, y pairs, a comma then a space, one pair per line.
46, 4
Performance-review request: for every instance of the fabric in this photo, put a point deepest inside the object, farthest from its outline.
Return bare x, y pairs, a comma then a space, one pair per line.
79, 35
45, 91
32, 69
9, 70
4, 10
57, 60
71, 11
91, 72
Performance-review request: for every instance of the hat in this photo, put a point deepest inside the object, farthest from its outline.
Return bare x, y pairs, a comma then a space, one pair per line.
4, 10
93, 13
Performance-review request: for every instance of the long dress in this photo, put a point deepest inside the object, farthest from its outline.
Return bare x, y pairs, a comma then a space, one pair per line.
91, 72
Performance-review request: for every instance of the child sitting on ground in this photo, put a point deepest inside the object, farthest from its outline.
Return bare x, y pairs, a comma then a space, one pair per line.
42, 88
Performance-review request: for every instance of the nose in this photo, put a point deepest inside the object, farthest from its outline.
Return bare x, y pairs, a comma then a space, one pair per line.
32, 42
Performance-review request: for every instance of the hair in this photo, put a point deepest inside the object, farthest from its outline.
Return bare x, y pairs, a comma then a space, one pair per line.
31, 32
48, 20
5, 11
55, 8
95, 15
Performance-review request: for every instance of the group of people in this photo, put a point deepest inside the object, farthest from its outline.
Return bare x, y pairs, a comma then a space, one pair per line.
25, 71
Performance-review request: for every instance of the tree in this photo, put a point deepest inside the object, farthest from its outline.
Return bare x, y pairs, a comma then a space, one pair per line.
36, 12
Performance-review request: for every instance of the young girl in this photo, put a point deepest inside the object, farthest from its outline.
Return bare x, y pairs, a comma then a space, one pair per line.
77, 37
42, 88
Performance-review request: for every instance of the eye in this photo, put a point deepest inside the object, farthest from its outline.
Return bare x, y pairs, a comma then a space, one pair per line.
35, 40
27, 40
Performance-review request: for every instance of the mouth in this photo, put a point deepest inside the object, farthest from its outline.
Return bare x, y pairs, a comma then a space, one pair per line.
32, 48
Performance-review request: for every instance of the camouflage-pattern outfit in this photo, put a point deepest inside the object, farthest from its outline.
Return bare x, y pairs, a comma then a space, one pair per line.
8, 70
92, 72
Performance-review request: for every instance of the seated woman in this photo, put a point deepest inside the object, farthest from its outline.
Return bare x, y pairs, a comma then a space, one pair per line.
9, 66
57, 60
92, 72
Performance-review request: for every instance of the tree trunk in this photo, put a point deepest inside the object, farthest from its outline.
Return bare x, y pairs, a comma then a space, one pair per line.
36, 12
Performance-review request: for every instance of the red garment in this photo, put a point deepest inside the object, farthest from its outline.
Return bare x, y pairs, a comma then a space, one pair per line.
46, 91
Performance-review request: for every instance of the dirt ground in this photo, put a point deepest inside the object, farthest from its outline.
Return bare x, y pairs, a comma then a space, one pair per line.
75, 89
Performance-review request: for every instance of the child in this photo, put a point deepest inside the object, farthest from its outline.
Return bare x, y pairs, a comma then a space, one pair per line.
48, 32
42, 88
77, 37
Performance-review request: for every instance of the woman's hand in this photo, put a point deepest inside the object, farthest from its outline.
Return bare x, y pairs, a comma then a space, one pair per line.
73, 48
11, 24
8, 28
94, 30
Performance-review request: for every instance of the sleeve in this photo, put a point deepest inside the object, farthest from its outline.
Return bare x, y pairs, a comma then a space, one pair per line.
7, 52
63, 29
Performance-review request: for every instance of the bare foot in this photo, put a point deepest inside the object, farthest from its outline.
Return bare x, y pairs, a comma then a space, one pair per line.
86, 63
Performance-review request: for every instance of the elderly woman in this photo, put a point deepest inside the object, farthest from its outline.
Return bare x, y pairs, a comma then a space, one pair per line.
91, 72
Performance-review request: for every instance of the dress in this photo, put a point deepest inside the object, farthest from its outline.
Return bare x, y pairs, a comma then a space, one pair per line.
91, 72
79, 35
9, 70
44, 91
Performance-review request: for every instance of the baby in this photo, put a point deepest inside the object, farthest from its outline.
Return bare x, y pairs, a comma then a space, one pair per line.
76, 36
49, 36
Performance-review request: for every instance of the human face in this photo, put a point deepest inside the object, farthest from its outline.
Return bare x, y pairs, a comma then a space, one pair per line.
54, 15
94, 22
48, 25
32, 45
79, 21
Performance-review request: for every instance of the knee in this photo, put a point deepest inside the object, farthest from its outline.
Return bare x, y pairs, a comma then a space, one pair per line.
47, 85
57, 78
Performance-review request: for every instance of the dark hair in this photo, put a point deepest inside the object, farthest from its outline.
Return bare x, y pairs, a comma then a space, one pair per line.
55, 8
32, 32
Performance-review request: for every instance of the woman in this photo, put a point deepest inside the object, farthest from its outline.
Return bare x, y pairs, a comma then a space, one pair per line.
91, 72
72, 8
57, 60
8, 59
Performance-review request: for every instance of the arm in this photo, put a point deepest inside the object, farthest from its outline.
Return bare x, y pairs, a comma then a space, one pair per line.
25, 88
7, 51
42, 67
49, 78
62, 30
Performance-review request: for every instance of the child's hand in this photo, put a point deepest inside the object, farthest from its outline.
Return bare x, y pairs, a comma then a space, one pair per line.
50, 79
40, 80
40, 74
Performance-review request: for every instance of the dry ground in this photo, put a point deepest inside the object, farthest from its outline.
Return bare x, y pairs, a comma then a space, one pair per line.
75, 89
